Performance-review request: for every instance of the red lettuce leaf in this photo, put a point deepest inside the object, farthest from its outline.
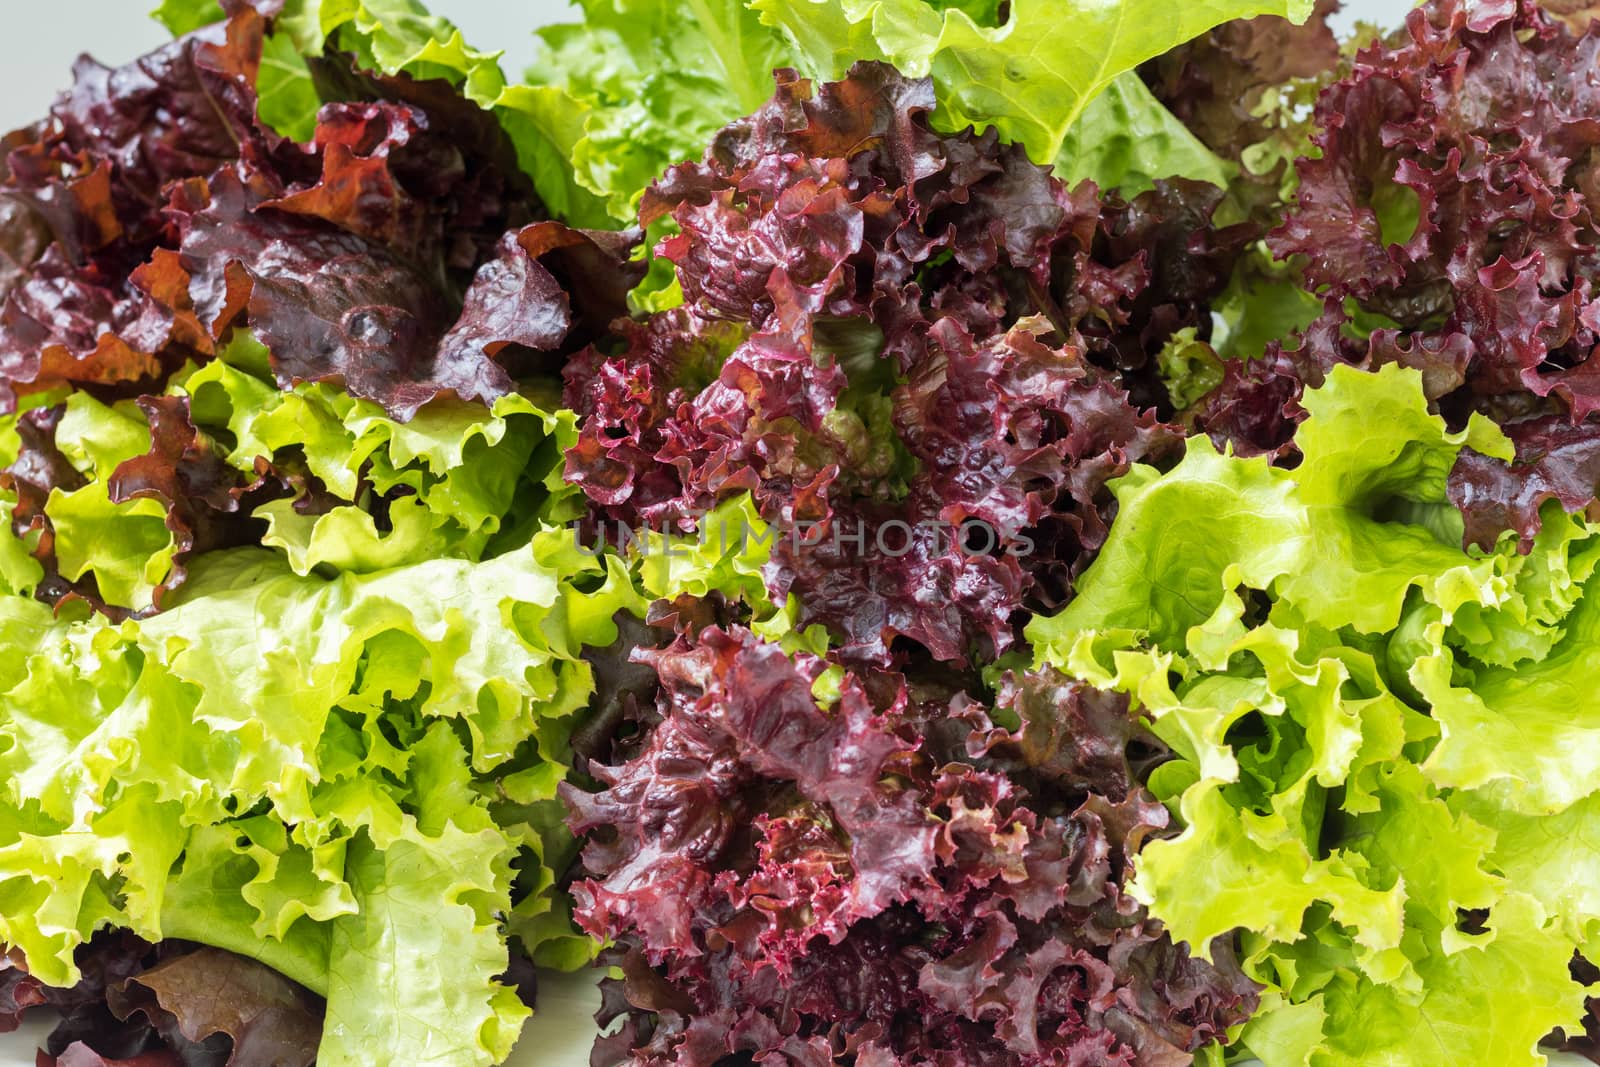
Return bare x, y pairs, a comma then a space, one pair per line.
1216, 82
166, 1005
891, 878
370, 278
1255, 409
209, 994
1445, 224
372, 256
1451, 197
887, 333
94, 308
1555, 461
397, 254
178, 112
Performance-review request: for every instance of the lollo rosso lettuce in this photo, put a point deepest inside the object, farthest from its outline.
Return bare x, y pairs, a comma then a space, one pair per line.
1442, 222
1377, 767
395, 258
1075, 689
408, 197
796, 868
889, 334
1473, 246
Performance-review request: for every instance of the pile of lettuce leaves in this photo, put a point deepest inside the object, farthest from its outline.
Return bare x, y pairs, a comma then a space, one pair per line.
901, 533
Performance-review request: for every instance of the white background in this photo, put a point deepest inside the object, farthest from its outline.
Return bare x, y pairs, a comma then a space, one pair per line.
44, 38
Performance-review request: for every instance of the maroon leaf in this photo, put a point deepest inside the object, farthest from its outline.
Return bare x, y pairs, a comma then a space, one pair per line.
1555, 461
1451, 195
890, 333
1255, 409
353, 257
169, 1004
267, 1018
803, 883
382, 321
93, 177
179, 112
329, 304
1216, 82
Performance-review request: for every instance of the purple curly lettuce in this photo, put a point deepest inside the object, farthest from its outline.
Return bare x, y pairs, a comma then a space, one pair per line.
1446, 224
1555, 461
1481, 126
1216, 82
901, 882
888, 333
86, 298
355, 257
388, 274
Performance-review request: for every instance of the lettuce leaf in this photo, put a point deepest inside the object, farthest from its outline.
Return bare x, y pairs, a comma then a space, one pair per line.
639, 85
1041, 77
789, 869
658, 97
350, 720
392, 37
332, 481
654, 81
1379, 737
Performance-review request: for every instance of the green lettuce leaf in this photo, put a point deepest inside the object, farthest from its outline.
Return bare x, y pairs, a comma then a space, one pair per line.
457, 481
640, 85
423, 929
126, 546
726, 557
1041, 77
393, 36
453, 480
184, 16
301, 768
1381, 741
1126, 139
654, 82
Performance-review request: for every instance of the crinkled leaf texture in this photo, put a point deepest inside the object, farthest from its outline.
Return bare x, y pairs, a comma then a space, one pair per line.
641, 85
130, 492
379, 254
1449, 194
153, 224
1443, 221
887, 334
267, 418
1057, 80
795, 870
1380, 736
296, 768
